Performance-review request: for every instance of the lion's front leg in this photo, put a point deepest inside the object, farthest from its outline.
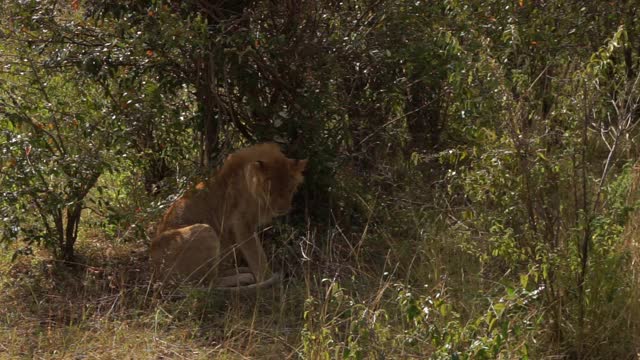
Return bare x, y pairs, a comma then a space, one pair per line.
251, 248
191, 252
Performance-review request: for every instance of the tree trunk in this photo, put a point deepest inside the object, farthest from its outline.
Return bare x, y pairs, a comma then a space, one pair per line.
206, 85
424, 116
71, 232
206, 76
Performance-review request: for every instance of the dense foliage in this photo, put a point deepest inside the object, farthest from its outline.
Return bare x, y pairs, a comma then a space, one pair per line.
486, 148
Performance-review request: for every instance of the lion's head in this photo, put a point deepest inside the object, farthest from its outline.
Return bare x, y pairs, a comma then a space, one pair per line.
273, 182
271, 178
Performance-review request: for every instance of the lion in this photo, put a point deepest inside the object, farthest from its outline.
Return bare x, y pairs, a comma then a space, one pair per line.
204, 233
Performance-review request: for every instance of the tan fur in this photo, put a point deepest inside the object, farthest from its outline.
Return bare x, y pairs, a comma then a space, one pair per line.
214, 224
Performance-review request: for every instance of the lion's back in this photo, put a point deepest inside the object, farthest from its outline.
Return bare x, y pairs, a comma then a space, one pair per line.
183, 212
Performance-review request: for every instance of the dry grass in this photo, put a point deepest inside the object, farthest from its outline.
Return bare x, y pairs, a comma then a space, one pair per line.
337, 302
107, 306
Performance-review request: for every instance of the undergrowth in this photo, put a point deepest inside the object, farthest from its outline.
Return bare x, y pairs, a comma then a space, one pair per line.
405, 281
